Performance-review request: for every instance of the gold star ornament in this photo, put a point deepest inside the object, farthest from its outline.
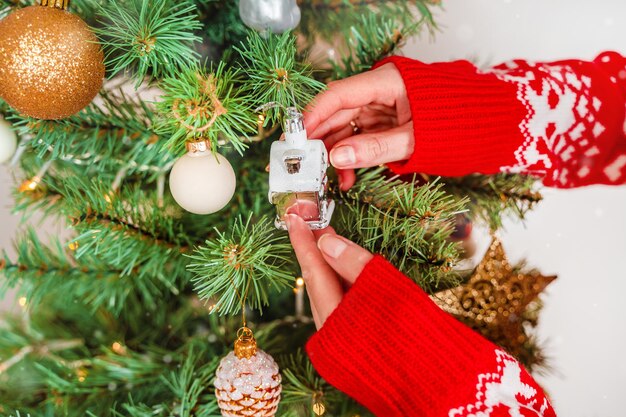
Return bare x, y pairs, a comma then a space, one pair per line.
496, 301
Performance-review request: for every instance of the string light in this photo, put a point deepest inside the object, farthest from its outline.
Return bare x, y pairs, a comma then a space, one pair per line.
299, 285
108, 196
319, 409
81, 373
22, 301
118, 348
73, 246
31, 185
318, 406
299, 291
260, 123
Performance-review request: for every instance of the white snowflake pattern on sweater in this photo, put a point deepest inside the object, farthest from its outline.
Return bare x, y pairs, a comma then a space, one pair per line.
505, 389
561, 119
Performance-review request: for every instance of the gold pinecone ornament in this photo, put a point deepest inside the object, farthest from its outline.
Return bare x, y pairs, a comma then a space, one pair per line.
51, 64
248, 381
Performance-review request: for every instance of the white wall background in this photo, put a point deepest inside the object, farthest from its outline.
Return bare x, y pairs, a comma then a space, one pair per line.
578, 234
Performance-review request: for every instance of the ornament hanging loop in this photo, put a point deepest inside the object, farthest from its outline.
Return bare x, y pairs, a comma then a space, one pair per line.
59, 4
245, 345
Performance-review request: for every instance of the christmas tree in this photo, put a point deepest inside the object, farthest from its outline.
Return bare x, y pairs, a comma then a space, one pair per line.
132, 315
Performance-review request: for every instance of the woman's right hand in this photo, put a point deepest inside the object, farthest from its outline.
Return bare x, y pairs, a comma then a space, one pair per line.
365, 120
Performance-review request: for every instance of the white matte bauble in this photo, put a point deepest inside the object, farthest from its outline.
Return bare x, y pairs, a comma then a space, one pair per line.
276, 16
8, 141
202, 182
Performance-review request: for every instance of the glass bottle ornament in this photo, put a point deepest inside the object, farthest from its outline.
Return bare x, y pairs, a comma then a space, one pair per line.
276, 16
201, 181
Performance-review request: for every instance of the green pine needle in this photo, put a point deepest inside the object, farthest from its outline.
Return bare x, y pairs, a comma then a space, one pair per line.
201, 104
243, 264
275, 74
369, 41
154, 36
408, 223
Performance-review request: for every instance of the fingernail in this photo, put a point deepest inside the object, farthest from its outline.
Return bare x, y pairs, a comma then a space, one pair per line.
331, 245
288, 221
342, 156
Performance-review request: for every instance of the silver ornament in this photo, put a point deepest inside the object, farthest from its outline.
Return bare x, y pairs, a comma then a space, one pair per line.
276, 16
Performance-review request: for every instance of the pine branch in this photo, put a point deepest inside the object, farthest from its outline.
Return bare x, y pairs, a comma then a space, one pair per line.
372, 39
153, 37
201, 104
243, 264
117, 239
370, 31
7, 6
303, 387
275, 75
223, 26
407, 223
42, 271
191, 385
101, 138
494, 197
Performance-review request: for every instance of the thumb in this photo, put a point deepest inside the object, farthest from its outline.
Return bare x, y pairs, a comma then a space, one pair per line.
371, 149
344, 256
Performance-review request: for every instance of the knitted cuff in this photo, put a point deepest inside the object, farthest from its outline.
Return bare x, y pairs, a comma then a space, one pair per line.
392, 349
464, 121
614, 65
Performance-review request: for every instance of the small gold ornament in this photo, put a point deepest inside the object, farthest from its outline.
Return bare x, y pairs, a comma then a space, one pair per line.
51, 64
495, 299
319, 409
248, 381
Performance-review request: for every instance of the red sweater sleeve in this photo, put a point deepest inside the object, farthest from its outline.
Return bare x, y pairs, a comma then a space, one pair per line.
392, 349
562, 121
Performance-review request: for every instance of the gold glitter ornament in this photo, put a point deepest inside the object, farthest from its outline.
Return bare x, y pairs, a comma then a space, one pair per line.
495, 300
51, 64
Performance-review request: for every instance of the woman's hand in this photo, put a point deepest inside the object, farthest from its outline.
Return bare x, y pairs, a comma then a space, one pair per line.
365, 120
330, 264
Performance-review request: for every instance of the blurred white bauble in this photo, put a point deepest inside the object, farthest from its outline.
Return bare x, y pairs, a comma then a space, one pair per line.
202, 182
277, 16
8, 141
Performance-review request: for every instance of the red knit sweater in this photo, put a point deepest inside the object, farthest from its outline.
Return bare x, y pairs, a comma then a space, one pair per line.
387, 344
563, 121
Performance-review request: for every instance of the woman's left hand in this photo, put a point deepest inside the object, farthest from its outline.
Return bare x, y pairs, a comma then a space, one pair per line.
330, 265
